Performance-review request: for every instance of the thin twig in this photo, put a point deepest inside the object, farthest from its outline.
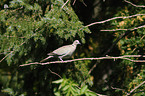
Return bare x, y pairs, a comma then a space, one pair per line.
76, 85
17, 9
109, 49
6, 56
18, 46
13, 36
11, 52
116, 88
135, 88
120, 37
134, 4
121, 17
99, 58
136, 47
55, 73
64, 4
74, 2
143, 26
80, 1
83, 2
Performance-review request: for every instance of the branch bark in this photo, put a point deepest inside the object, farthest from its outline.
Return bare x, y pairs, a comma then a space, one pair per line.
54, 73
134, 4
135, 88
143, 26
121, 17
125, 57
64, 4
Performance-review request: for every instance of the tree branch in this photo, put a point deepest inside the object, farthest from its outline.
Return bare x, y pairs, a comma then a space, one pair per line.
74, 2
64, 4
18, 46
134, 4
140, 41
99, 58
116, 88
55, 73
121, 17
125, 29
109, 49
121, 36
6, 56
11, 52
135, 88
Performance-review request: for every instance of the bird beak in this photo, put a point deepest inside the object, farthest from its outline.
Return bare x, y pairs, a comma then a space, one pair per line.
79, 43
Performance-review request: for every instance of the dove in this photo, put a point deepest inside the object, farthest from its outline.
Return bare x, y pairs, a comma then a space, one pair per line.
63, 52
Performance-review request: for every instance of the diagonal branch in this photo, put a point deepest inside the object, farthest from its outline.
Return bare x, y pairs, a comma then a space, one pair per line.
111, 47
125, 57
135, 88
11, 52
140, 41
134, 4
6, 56
74, 2
54, 73
121, 17
64, 4
18, 46
143, 26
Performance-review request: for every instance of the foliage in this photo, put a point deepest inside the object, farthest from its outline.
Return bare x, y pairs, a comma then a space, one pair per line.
68, 88
132, 43
25, 25
10, 92
27, 29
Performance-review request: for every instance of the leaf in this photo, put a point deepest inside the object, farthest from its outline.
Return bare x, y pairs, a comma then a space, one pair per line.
56, 92
83, 89
65, 87
73, 91
9, 91
91, 93
58, 81
36, 6
68, 93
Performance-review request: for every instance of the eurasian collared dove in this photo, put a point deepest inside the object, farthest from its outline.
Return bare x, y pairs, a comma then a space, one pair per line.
63, 52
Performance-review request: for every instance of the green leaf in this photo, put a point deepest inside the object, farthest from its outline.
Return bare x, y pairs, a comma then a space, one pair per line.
58, 81
83, 89
68, 93
73, 91
56, 92
66, 87
91, 93
9, 91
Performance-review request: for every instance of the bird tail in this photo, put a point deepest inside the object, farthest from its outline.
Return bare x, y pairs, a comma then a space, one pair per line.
46, 58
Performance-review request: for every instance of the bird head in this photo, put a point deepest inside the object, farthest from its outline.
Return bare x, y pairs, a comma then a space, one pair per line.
76, 42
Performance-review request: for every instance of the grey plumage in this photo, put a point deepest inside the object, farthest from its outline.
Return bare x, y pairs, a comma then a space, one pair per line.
63, 52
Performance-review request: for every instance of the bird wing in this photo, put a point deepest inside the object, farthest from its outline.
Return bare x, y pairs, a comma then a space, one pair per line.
64, 50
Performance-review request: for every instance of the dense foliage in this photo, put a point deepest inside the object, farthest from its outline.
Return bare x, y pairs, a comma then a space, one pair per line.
29, 29
132, 43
